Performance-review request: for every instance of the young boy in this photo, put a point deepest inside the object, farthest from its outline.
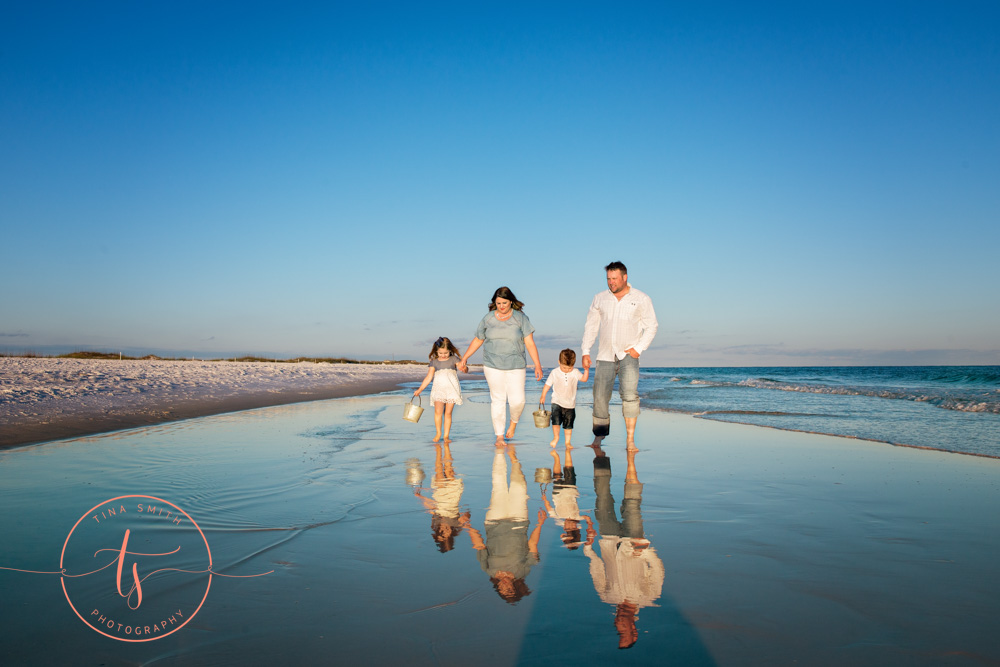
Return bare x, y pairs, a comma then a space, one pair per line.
563, 381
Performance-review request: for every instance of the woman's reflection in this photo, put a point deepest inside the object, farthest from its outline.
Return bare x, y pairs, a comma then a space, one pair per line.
628, 573
446, 496
508, 552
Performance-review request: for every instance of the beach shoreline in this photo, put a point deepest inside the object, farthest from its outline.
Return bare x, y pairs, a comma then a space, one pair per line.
45, 399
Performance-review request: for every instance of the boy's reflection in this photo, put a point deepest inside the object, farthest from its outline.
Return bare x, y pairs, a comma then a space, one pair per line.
628, 573
508, 553
565, 506
445, 499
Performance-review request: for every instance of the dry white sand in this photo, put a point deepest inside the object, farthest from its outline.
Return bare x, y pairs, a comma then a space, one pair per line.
48, 399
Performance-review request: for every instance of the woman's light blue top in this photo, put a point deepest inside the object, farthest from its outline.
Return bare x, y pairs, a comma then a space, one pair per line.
503, 348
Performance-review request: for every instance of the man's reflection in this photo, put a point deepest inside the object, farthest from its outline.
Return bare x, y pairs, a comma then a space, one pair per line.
508, 552
446, 496
628, 573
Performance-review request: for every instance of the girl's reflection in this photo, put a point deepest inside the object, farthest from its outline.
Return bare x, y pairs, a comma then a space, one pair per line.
628, 573
508, 553
445, 499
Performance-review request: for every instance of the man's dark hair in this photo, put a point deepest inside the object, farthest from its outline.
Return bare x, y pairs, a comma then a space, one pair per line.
616, 266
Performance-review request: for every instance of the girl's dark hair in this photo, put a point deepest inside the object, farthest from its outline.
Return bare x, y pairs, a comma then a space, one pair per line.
444, 543
443, 342
505, 293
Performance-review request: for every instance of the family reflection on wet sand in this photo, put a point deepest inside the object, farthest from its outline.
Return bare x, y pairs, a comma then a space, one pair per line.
625, 570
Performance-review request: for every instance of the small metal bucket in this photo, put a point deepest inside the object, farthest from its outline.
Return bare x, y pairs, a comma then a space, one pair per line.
414, 472
543, 475
412, 412
541, 416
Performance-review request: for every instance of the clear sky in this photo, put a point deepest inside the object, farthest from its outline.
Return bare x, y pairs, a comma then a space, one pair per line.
792, 183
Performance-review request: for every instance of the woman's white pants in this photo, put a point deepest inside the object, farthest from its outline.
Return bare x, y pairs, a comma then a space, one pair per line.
505, 387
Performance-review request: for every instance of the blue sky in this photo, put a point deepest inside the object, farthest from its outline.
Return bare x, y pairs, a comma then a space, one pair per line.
793, 183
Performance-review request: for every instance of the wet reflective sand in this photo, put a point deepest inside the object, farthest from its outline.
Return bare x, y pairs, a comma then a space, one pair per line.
339, 534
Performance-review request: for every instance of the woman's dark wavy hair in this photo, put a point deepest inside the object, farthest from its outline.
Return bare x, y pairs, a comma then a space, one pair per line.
505, 293
521, 590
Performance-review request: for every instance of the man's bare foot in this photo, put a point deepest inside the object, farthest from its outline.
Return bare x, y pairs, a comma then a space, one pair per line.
631, 476
500, 441
510, 430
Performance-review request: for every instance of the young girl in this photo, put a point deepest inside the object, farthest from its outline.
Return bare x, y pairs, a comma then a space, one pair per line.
446, 392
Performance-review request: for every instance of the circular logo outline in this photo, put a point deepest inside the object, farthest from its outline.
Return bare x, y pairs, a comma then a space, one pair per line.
62, 557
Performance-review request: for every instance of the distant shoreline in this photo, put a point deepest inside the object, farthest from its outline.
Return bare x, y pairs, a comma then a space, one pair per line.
44, 399
88, 354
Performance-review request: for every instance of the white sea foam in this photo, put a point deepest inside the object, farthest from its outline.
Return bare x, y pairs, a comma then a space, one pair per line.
949, 408
938, 398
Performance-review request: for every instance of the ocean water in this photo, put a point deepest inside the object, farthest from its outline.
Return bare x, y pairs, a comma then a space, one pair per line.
947, 408
950, 408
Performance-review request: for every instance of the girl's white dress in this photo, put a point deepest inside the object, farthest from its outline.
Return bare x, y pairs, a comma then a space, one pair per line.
446, 388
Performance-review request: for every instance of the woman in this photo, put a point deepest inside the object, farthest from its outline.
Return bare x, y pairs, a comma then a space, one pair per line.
507, 551
504, 333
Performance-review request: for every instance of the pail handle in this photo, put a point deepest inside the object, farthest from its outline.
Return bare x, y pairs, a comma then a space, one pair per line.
418, 400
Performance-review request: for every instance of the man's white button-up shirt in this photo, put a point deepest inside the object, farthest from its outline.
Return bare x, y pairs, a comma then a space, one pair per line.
629, 322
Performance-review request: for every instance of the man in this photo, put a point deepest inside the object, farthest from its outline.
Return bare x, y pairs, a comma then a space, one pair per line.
625, 319
628, 573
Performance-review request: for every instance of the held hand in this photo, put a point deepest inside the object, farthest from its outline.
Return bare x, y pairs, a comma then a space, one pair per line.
416, 393
586, 361
632, 353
